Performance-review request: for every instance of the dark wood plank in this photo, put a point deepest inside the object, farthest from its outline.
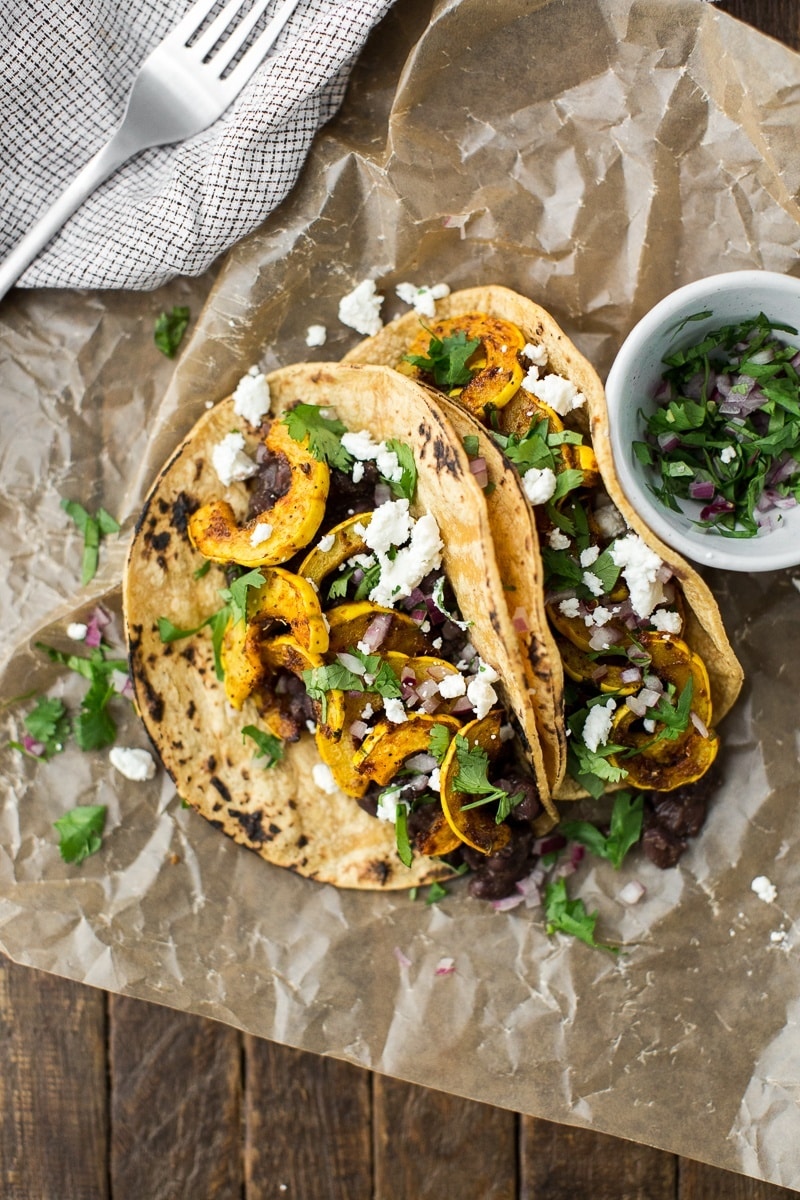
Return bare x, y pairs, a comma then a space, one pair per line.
701, 1182
558, 1162
307, 1125
175, 1105
53, 1094
777, 18
430, 1145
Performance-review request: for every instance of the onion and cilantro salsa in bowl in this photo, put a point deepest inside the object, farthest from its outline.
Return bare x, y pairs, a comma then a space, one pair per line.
704, 420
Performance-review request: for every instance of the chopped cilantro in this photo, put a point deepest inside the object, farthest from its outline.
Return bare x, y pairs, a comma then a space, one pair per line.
94, 727
235, 597
48, 724
404, 851
447, 359
406, 485
378, 677
92, 528
625, 829
170, 328
267, 744
436, 892
472, 779
570, 916
438, 742
324, 434
80, 831
472, 444
202, 570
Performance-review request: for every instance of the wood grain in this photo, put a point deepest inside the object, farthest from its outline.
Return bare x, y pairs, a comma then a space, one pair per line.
562, 1163
430, 1145
698, 1181
175, 1105
777, 18
53, 1095
307, 1124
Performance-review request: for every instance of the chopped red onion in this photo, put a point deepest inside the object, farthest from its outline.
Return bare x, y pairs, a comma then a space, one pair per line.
604, 636
631, 674
508, 902
669, 441
701, 489
480, 470
402, 958
636, 705
550, 844
383, 493
461, 704
699, 724
428, 688
421, 762
431, 705
599, 673
33, 747
576, 853
445, 966
632, 892
649, 697
358, 730
351, 662
376, 631
654, 684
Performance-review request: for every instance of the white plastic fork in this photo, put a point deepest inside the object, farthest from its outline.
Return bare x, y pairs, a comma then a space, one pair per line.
178, 91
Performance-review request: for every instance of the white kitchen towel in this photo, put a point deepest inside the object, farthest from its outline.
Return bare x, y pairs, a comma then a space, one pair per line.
65, 70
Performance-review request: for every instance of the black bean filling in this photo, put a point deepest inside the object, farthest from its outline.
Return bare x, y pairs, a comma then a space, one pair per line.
345, 497
671, 819
296, 706
272, 480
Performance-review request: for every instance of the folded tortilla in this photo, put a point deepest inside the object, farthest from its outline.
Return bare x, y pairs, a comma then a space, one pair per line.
281, 813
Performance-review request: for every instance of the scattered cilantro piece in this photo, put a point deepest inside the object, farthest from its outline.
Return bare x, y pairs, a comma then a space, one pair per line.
235, 596
570, 916
673, 717
436, 892
378, 677
472, 779
324, 434
80, 831
624, 832
447, 359
92, 528
404, 851
438, 742
202, 570
471, 444
47, 723
170, 328
267, 744
406, 485
94, 727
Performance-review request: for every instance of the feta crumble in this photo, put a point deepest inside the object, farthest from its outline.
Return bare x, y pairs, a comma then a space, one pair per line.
480, 692
394, 710
570, 607
598, 725
609, 520
388, 804
452, 686
326, 543
666, 621
556, 392
262, 530
764, 889
640, 566
357, 472
230, 461
435, 780
360, 309
134, 764
77, 631
251, 399
539, 484
323, 778
558, 540
535, 354
364, 448
316, 335
593, 582
589, 555
391, 527
727, 454
422, 299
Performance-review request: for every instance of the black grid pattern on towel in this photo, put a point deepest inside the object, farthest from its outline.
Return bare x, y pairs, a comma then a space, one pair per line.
65, 70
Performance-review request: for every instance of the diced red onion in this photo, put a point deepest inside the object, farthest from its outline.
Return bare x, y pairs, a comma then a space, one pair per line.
428, 688
530, 887
631, 674
351, 662
548, 845
653, 684
382, 494
720, 505
649, 697
438, 673
701, 489
638, 655
407, 673
358, 730
431, 705
376, 631
421, 762
462, 704
699, 724
632, 892
508, 902
33, 747
445, 966
576, 853
564, 869
669, 441
664, 573
599, 673
636, 705
95, 626
408, 693
604, 636
480, 470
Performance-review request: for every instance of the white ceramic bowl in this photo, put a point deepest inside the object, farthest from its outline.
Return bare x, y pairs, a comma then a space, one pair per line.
631, 387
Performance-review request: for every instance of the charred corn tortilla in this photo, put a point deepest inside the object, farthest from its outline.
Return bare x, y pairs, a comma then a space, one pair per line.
704, 631
281, 813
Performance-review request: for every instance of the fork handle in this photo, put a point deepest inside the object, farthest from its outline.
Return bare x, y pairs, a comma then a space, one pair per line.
116, 151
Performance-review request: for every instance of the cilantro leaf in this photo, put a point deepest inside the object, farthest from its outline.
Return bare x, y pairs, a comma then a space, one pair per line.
324, 434
436, 892
170, 328
235, 596
625, 829
674, 717
92, 528
447, 359
406, 485
439, 741
472, 779
80, 831
564, 915
48, 723
471, 444
404, 851
267, 744
94, 726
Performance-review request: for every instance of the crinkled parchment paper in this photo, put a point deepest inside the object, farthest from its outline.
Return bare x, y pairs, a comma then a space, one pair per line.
594, 154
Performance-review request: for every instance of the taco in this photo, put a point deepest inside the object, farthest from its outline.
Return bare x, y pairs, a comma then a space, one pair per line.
319, 635
638, 662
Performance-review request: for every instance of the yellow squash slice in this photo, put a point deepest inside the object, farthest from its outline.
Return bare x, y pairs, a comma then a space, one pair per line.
387, 746
474, 826
346, 542
349, 623
499, 372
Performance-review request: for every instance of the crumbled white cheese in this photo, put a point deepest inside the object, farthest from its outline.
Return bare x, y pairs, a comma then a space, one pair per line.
649, 725
326, 543
357, 472
598, 725
230, 461
316, 335
77, 631
539, 484
367, 712
640, 566
556, 392
360, 444
391, 525
480, 692
390, 528
609, 520
593, 582
394, 711
727, 454
601, 615
388, 803
570, 607
360, 309
764, 889
388, 464
452, 686
323, 778
364, 448
666, 621
589, 555
134, 764
558, 540
251, 399
422, 299
435, 781
262, 530
535, 354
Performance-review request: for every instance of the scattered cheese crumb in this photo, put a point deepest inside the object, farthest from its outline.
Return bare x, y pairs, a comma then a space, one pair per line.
727, 454
316, 335
137, 765
422, 299
570, 607
480, 692
251, 399
435, 780
556, 392
535, 354
261, 532
589, 555
77, 631
452, 686
230, 461
394, 710
360, 309
323, 778
388, 803
764, 889
593, 582
666, 621
598, 725
640, 566
558, 540
326, 543
539, 484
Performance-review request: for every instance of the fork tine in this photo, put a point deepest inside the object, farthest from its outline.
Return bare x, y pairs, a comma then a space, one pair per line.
190, 22
209, 37
255, 54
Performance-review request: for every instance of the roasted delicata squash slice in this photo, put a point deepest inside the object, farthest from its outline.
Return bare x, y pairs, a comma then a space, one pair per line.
276, 534
349, 624
605, 673
336, 745
498, 372
474, 826
424, 673
387, 746
241, 664
346, 543
439, 838
675, 764
287, 597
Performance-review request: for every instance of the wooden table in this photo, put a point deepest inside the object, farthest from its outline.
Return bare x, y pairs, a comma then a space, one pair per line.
107, 1098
